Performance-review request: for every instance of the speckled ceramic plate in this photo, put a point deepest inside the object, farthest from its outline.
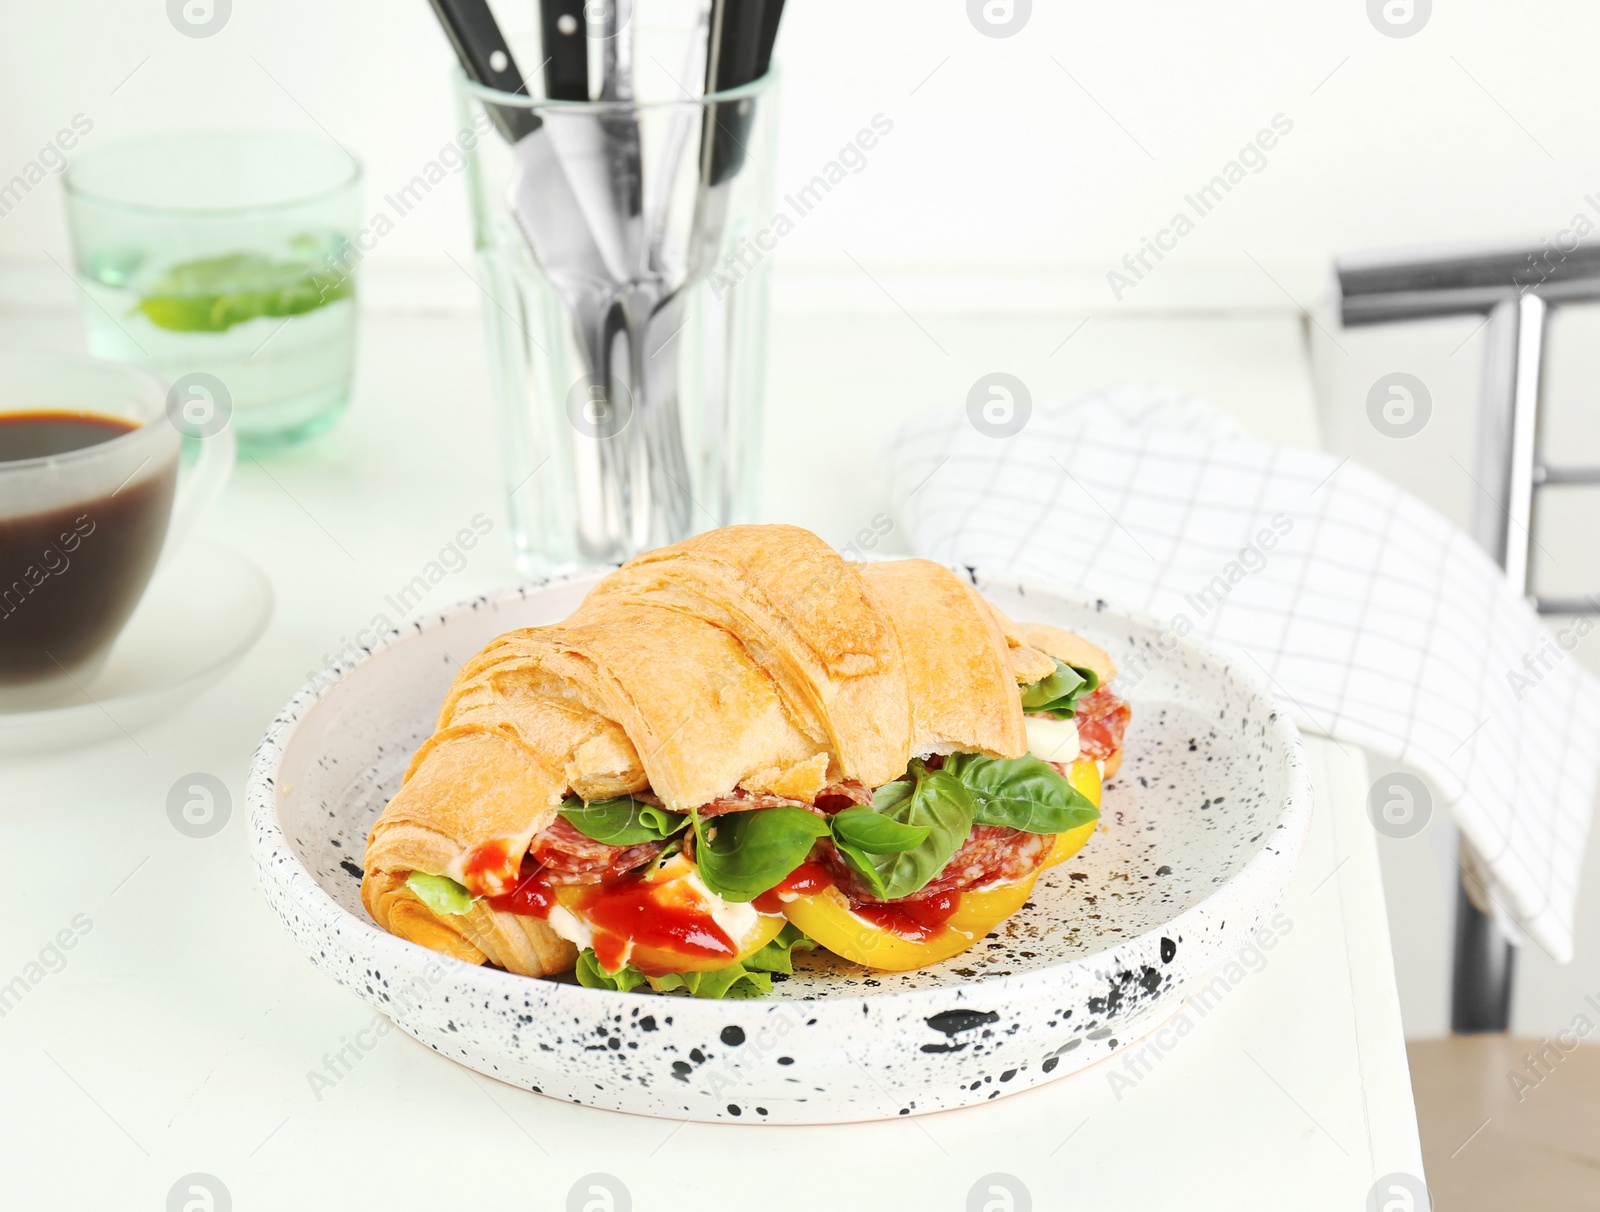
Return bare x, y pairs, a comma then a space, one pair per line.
1199, 836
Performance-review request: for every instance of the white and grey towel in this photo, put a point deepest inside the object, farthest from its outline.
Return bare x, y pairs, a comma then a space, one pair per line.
1377, 621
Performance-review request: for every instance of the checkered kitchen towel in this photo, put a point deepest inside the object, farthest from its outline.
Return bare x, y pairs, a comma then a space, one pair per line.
1376, 620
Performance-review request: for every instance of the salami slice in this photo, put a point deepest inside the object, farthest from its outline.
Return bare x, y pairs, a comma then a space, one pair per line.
573, 858
836, 797
741, 800
832, 798
1102, 720
990, 854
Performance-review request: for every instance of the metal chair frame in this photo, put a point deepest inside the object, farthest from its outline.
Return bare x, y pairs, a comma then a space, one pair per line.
1514, 289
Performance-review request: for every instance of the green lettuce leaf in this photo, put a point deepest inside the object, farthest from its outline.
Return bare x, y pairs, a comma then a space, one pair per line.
931, 799
778, 955
742, 854
439, 893
592, 976
622, 822
735, 981
1020, 793
1058, 694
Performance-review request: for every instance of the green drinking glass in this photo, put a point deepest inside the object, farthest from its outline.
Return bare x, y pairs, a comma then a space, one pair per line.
225, 262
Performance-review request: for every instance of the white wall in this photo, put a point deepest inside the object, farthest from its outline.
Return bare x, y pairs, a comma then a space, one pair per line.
1000, 158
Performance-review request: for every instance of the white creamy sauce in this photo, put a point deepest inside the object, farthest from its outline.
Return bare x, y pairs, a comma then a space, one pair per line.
736, 921
1051, 740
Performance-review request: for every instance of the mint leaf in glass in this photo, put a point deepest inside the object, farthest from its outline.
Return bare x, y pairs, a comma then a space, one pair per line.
213, 294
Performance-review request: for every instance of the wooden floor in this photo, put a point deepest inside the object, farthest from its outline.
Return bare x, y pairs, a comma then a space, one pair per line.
1494, 1144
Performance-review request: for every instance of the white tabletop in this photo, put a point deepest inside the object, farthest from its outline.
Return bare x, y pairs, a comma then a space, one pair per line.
177, 1034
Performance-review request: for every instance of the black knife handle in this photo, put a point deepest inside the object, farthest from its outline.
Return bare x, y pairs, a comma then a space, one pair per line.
741, 52
487, 60
739, 47
769, 37
566, 49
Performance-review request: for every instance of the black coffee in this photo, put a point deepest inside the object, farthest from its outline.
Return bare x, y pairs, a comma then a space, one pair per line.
71, 576
33, 435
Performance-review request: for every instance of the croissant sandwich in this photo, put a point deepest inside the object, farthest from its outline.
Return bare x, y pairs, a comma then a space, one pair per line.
740, 745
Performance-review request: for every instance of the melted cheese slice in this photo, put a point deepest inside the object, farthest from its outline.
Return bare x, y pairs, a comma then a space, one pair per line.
1052, 740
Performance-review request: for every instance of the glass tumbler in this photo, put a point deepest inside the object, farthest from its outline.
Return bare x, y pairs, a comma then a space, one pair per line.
624, 248
225, 262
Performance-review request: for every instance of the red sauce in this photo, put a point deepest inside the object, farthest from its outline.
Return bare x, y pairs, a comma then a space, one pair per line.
807, 879
916, 920
622, 912
487, 867
630, 910
532, 897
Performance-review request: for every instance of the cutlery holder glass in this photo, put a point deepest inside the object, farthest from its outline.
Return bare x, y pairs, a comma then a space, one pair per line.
623, 249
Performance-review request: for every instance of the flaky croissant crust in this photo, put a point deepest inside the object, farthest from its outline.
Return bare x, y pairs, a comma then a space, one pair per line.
749, 657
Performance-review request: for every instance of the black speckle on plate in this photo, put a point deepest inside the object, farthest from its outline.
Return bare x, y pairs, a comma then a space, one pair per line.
949, 1022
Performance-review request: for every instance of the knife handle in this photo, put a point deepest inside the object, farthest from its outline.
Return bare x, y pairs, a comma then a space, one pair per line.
769, 37
737, 45
743, 34
486, 59
565, 36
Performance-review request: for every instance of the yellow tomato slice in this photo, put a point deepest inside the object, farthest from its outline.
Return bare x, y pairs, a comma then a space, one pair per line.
825, 916
1084, 776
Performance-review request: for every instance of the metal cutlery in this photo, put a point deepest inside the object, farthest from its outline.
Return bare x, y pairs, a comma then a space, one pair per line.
579, 196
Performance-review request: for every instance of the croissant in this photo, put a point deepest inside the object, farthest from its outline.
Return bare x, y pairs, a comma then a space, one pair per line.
740, 745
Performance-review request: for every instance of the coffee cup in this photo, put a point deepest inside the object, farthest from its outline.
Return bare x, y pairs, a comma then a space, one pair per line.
90, 505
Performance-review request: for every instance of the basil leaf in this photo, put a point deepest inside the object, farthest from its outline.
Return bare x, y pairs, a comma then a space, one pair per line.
1021, 793
1058, 693
742, 854
439, 893
592, 976
622, 822
777, 956
934, 800
869, 830
735, 980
